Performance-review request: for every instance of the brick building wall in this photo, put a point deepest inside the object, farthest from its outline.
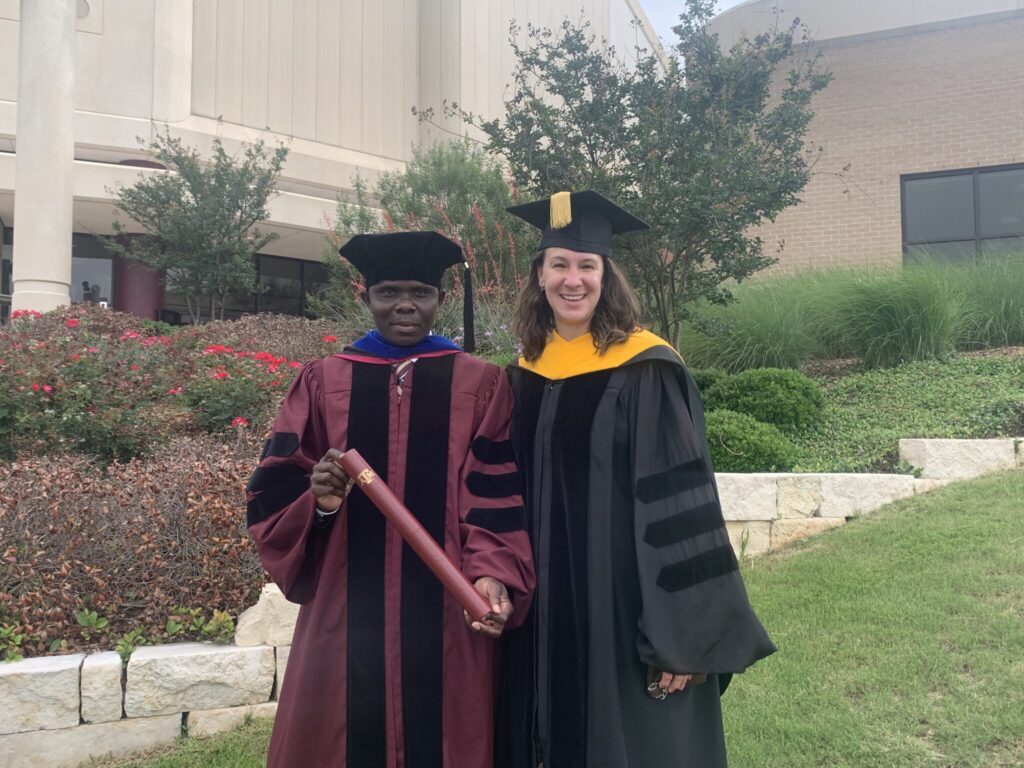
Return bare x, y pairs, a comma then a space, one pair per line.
930, 99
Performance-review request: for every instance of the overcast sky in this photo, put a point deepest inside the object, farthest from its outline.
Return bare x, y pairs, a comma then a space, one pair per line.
664, 14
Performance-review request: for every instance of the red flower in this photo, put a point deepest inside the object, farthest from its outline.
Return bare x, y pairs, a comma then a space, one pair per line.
220, 375
91, 349
330, 339
239, 421
47, 388
175, 390
130, 335
74, 357
294, 364
72, 323
35, 386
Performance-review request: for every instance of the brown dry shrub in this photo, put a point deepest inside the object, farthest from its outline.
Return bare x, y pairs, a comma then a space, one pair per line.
131, 542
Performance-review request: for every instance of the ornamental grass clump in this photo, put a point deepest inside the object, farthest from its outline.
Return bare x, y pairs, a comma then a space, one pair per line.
741, 443
892, 317
786, 398
770, 325
994, 289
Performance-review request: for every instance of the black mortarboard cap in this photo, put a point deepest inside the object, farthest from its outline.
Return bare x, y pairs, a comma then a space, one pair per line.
422, 256
579, 221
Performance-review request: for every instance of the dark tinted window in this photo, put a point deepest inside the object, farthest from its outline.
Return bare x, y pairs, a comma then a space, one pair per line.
939, 209
964, 215
1001, 194
280, 286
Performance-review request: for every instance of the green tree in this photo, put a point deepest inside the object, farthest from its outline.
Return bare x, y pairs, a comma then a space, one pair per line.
450, 187
199, 219
703, 145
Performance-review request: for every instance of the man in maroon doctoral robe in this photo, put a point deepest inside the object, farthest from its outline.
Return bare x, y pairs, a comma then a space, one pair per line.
385, 671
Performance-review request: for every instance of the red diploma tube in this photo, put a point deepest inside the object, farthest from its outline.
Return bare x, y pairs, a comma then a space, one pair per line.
415, 535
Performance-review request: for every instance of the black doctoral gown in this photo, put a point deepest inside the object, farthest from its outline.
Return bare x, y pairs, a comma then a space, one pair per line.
633, 562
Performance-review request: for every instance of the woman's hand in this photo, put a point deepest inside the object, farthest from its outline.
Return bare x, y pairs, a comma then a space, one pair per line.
501, 607
672, 683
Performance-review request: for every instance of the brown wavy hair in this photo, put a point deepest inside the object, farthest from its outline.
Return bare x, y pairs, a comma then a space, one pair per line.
617, 314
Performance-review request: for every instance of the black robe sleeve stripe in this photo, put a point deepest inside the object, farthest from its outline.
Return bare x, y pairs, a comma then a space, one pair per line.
684, 525
499, 520
282, 444
267, 477
266, 449
698, 569
683, 477
493, 451
695, 613
275, 497
493, 486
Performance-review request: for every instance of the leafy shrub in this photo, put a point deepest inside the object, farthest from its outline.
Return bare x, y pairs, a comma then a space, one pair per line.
706, 378
90, 557
80, 380
741, 443
92, 381
785, 398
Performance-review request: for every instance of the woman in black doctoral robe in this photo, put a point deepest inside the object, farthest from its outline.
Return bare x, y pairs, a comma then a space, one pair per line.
640, 615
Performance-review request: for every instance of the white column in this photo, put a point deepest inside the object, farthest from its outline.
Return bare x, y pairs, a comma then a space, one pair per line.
172, 61
45, 147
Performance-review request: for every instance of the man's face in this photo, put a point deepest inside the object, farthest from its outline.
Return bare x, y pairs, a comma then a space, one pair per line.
403, 310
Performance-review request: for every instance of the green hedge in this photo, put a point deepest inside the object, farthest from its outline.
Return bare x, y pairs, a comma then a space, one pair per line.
741, 443
788, 399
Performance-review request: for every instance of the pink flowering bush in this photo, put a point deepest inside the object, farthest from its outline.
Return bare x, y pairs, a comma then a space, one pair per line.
106, 384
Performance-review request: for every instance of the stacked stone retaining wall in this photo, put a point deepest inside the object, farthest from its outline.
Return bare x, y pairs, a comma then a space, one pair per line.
59, 711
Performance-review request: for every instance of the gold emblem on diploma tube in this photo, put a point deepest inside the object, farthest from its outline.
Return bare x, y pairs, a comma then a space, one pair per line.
366, 477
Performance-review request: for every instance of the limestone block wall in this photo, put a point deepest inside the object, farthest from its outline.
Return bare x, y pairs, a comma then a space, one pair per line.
61, 710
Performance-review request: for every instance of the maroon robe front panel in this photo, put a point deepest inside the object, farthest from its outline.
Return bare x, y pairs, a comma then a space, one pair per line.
383, 672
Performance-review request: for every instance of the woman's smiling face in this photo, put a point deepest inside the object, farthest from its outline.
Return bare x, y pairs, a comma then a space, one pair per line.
571, 281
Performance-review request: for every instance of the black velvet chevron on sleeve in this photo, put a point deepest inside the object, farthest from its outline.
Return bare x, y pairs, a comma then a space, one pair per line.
500, 520
282, 444
699, 568
683, 477
267, 477
493, 451
493, 486
684, 525
269, 501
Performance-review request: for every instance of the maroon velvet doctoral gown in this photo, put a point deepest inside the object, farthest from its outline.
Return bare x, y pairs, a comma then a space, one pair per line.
383, 672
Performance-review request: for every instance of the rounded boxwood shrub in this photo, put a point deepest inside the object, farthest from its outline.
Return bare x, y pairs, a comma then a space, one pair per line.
786, 398
741, 443
706, 378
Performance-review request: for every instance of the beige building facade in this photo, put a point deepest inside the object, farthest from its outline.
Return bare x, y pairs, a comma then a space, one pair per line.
336, 80
921, 130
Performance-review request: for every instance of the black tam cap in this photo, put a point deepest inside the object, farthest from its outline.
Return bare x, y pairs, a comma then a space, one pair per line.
422, 256
579, 221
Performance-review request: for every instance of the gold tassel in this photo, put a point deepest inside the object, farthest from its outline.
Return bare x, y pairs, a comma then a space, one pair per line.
561, 210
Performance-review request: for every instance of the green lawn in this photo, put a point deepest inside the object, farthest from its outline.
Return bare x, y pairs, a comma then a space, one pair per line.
867, 413
901, 639
901, 643
244, 747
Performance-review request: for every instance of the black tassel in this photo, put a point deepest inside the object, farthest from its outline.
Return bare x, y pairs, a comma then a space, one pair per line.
468, 333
